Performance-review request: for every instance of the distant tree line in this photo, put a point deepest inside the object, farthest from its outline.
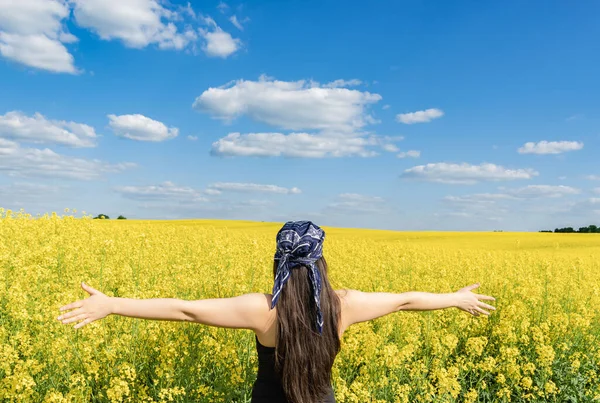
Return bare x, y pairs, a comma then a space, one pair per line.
592, 229
105, 217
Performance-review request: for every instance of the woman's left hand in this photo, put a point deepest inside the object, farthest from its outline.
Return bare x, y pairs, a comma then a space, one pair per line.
96, 307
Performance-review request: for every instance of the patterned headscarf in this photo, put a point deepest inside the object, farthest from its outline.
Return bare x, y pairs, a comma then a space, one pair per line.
299, 243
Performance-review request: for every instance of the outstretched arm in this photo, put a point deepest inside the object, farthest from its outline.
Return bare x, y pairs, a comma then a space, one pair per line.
364, 306
246, 311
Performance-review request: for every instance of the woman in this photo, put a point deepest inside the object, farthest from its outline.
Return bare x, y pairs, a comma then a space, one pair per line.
297, 343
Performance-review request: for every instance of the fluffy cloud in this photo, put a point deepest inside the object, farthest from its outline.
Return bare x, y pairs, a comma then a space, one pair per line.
293, 105
550, 147
478, 198
420, 116
32, 33
526, 192
218, 43
583, 209
37, 129
542, 191
139, 127
252, 187
593, 177
20, 193
184, 201
357, 203
167, 191
356, 197
33, 162
465, 173
343, 83
137, 23
410, 153
236, 23
302, 145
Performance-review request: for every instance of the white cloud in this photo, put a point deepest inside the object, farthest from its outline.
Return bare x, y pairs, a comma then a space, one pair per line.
164, 191
465, 173
236, 23
542, 191
34, 196
291, 145
294, 105
343, 83
29, 17
593, 177
20, 193
527, 192
218, 43
596, 190
252, 187
386, 107
550, 147
138, 23
37, 51
576, 116
142, 128
222, 7
583, 208
357, 197
32, 33
192, 138
33, 162
420, 116
358, 204
392, 148
478, 198
410, 153
37, 129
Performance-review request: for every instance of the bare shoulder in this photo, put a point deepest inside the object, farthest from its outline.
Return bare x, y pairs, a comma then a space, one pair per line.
347, 295
347, 302
261, 306
259, 302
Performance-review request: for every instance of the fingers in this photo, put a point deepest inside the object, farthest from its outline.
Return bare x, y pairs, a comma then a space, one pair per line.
73, 305
486, 297
484, 305
68, 315
478, 309
74, 318
473, 286
85, 322
88, 289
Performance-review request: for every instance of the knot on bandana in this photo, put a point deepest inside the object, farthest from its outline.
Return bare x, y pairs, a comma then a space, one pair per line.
299, 243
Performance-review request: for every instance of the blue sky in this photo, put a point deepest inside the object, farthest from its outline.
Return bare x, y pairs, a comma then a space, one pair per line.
410, 115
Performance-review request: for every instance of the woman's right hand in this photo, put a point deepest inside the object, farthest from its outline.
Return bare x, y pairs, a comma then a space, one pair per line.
470, 302
95, 307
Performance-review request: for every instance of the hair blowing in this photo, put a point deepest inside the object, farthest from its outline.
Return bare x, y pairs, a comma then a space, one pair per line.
304, 357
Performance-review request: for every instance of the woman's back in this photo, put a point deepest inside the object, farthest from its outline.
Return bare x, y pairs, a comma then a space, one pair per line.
268, 386
268, 336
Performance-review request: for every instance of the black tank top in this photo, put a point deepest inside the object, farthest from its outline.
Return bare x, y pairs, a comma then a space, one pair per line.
268, 388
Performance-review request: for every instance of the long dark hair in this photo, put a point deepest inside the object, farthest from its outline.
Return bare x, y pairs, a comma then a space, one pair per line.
303, 357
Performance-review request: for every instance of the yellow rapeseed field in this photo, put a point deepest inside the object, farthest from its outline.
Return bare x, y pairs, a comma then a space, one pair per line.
542, 344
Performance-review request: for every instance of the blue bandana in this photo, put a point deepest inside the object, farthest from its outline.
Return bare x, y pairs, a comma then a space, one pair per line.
299, 243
